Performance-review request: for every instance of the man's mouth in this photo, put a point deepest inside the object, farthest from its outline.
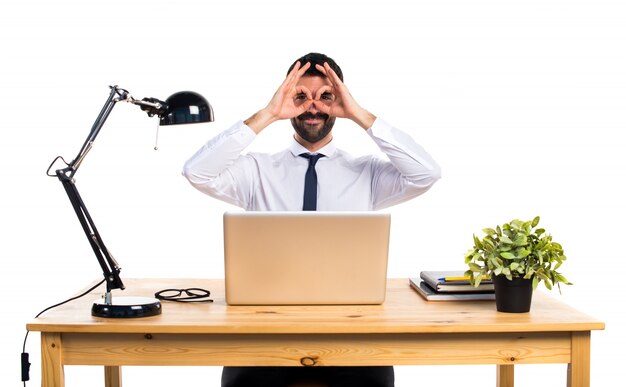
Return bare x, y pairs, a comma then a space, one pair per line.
312, 119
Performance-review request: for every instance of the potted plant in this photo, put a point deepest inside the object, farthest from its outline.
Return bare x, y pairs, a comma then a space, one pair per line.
517, 256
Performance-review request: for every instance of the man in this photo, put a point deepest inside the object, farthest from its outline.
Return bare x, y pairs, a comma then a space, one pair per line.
312, 174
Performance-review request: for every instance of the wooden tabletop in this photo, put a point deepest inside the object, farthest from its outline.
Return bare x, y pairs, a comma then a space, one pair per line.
404, 311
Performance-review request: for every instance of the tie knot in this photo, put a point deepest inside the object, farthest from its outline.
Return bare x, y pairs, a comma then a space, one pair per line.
312, 157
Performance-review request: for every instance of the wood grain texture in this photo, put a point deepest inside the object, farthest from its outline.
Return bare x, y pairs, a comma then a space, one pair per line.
51, 360
113, 376
578, 371
405, 330
505, 376
404, 311
319, 350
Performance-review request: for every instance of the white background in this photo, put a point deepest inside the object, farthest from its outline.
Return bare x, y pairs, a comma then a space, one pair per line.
521, 102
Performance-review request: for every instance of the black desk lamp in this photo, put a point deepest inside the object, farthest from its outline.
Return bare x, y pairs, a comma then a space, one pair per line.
185, 107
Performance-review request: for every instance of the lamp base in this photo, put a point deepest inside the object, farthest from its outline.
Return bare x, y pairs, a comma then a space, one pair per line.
127, 307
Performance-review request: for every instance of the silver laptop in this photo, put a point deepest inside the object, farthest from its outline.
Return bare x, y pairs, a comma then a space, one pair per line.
305, 258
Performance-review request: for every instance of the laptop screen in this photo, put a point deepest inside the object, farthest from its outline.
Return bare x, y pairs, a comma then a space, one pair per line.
277, 258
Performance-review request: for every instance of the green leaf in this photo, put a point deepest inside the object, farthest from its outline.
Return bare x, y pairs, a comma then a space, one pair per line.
535, 222
506, 239
489, 231
543, 276
560, 278
477, 243
518, 249
507, 255
520, 240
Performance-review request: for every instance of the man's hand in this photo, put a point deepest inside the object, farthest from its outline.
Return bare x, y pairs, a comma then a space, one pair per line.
289, 101
338, 102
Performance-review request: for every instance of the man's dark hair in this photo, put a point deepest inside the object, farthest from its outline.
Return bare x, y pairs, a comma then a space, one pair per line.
315, 58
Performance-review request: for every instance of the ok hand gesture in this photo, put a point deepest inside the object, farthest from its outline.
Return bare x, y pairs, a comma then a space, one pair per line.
341, 104
284, 104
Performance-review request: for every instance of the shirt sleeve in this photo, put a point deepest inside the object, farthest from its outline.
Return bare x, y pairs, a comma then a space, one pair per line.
410, 171
219, 168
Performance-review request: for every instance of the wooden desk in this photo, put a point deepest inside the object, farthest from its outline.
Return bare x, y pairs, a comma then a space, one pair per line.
405, 330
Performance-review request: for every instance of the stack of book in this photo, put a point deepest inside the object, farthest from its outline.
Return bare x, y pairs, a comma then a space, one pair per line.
451, 285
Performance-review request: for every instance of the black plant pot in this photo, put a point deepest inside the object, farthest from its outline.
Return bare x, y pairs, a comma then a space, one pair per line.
513, 296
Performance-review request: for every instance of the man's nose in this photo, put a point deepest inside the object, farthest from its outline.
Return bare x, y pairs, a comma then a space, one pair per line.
313, 107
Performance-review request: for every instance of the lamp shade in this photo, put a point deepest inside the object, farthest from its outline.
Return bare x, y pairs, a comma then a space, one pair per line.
186, 107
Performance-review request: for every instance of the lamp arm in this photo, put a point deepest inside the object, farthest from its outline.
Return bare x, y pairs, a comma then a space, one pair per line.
97, 125
110, 267
184, 107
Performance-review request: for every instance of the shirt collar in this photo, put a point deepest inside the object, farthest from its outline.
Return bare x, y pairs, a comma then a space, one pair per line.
297, 149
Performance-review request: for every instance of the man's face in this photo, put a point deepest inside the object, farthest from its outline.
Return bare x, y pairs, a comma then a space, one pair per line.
313, 125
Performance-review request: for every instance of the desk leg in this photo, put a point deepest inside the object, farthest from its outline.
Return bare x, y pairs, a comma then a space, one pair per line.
52, 374
578, 371
112, 376
505, 375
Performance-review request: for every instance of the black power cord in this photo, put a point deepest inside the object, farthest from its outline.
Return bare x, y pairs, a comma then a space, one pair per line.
24, 356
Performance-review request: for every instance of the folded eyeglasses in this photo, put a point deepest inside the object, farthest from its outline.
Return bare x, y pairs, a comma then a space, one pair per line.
190, 295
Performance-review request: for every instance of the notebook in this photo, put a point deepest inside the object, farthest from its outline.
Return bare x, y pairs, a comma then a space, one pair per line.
305, 258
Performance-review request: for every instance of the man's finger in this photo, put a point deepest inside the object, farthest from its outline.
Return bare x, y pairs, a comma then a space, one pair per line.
330, 73
294, 76
304, 68
293, 72
301, 71
324, 108
324, 90
305, 106
304, 90
288, 79
321, 69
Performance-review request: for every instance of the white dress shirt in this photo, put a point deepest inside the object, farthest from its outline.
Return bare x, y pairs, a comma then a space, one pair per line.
275, 182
